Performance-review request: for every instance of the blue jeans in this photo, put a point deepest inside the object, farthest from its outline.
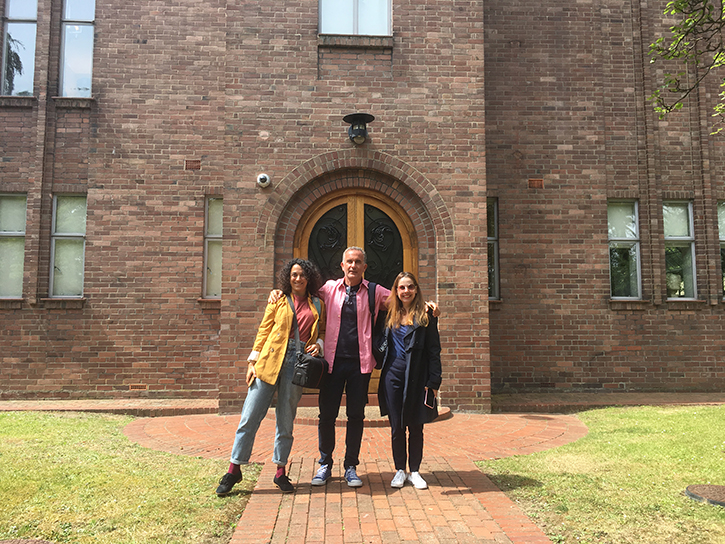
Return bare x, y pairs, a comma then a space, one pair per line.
345, 376
258, 401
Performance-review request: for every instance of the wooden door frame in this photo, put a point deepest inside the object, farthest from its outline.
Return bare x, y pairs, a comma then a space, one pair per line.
355, 199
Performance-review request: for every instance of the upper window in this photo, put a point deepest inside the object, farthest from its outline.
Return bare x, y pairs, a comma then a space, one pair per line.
213, 248
12, 245
18, 53
67, 246
624, 260
493, 268
679, 250
355, 17
77, 54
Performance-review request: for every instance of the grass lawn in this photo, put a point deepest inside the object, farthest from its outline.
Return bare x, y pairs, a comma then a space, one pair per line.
75, 477
625, 481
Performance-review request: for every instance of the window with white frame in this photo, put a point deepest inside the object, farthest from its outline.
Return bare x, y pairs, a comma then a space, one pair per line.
213, 247
721, 229
625, 276
12, 245
77, 48
67, 246
18, 53
355, 17
493, 268
679, 250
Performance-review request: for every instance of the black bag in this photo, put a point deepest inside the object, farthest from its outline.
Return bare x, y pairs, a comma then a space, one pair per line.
309, 370
379, 338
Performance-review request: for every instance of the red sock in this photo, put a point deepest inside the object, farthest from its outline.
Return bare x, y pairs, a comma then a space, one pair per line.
234, 469
280, 472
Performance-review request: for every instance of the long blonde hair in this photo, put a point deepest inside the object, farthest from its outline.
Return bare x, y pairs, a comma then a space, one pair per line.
418, 311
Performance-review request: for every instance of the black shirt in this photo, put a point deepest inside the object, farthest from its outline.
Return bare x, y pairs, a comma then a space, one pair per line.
348, 346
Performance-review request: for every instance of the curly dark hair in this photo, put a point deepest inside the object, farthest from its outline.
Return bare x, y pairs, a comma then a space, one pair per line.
312, 273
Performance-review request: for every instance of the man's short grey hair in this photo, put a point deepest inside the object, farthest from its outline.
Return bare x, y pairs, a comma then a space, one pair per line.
355, 248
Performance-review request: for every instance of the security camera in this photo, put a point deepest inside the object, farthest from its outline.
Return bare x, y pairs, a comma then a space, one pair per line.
263, 180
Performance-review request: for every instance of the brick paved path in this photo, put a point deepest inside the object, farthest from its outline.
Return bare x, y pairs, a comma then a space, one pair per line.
460, 505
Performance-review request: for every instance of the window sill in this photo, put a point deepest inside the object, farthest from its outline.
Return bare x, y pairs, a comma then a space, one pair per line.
687, 304
619, 304
362, 42
210, 303
11, 303
67, 102
63, 303
18, 101
494, 304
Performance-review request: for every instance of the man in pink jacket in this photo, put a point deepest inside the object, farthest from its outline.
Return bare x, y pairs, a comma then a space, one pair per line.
350, 358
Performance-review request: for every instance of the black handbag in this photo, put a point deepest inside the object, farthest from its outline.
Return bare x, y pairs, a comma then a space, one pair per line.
309, 370
379, 338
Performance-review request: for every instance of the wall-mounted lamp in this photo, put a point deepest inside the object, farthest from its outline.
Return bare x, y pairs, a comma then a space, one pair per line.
358, 132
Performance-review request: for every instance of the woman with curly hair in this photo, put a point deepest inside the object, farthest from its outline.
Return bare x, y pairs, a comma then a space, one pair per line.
410, 376
271, 365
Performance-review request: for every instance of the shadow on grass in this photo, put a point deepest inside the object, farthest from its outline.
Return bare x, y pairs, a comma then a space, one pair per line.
507, 482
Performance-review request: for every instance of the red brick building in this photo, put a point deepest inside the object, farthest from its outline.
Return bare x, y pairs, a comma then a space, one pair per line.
137, 246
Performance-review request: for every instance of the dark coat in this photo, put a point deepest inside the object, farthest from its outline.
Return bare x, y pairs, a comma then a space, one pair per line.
423, 355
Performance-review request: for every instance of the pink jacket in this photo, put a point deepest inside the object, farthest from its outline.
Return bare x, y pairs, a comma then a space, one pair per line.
333, 294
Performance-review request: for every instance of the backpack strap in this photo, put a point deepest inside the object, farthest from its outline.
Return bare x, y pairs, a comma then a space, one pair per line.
371, 301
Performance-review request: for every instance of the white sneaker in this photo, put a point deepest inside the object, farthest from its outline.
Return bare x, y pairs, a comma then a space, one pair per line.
417, 480
398, 479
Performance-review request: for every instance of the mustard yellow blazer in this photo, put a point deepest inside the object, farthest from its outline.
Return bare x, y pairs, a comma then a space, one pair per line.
271, 343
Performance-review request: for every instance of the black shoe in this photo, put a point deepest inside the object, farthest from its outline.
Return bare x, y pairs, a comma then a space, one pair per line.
227, 482
284, 484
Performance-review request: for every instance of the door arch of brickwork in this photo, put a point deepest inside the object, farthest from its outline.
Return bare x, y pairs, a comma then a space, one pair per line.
364, 218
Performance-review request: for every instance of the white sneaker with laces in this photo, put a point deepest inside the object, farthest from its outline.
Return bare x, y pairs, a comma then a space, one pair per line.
417, 480
398, 479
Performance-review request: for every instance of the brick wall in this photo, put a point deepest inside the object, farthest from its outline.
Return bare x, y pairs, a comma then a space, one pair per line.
566, 88
554, 125
241, 88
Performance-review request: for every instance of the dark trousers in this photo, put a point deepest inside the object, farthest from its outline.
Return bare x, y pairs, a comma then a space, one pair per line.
345, 377
393, 389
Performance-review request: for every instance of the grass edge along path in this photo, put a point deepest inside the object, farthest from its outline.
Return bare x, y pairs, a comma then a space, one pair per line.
75, 477
625, 481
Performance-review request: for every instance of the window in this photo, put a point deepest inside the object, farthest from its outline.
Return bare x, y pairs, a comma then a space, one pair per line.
721, 229
67, 246
213, 248
493, 268
624, 260
18, 53
12, 245
679, 250
355, 17
77, 52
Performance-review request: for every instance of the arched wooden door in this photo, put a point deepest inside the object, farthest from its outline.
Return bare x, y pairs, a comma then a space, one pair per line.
362, 218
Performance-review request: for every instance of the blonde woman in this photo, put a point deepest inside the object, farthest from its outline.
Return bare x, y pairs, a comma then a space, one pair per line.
410, 377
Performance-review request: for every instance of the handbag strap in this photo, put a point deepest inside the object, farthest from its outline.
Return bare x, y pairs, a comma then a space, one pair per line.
294, 322
316, 302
